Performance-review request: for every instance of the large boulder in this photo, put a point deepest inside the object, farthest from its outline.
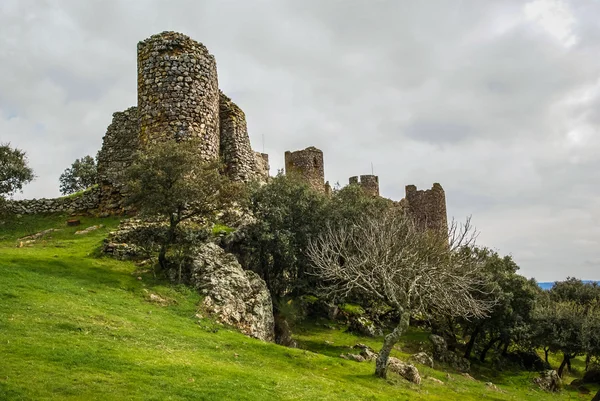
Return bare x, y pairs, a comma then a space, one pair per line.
548, 381
233, 295
364, 326
422, 358
442, 354
406, 370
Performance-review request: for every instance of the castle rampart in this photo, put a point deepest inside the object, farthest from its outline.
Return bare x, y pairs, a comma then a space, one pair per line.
369, 183
428, 207
119, 146
308, 165
241, 162
178, 91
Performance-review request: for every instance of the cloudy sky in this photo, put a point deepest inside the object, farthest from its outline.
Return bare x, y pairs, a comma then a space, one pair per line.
498, 101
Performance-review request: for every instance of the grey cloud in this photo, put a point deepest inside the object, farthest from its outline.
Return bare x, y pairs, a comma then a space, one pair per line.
470, 94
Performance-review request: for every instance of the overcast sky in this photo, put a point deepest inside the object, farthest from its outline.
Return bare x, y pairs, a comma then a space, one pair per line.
499, 101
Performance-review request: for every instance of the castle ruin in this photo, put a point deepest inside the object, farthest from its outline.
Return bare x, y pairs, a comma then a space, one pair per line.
178, 99
427, 207
369, 183
307, 164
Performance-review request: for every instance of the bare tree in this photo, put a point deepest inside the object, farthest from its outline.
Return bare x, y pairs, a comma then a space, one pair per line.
389, 258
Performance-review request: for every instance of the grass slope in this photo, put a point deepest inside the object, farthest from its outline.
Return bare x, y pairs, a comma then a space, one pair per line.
74, 326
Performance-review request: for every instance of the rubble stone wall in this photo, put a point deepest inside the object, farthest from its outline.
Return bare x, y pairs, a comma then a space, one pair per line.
241, 162
369, 183
77, 203
428, 207
119, 146
308, 165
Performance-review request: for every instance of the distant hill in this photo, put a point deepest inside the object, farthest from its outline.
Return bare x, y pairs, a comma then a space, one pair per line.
548, 284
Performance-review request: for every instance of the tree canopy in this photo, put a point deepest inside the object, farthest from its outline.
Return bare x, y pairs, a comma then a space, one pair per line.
82, 174
14, 170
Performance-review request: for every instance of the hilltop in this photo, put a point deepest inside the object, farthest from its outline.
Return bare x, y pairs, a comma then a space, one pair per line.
78, 326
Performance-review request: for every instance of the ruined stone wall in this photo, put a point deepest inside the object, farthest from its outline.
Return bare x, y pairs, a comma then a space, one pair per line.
77, 203
178, 91
262, 165
119, 146
428, 207
369, 183
241, 162
308, 165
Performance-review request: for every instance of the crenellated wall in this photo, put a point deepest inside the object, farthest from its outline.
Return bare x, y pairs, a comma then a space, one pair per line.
308, 165
369, 183
178, 91
428, 207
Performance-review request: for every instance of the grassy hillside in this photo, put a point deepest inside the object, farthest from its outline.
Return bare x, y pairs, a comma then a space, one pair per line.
74, 326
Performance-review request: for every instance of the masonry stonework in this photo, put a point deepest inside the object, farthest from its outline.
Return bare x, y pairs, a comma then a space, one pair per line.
178, 91
369, 183
307, 164
241, 162
428, 207
119, 146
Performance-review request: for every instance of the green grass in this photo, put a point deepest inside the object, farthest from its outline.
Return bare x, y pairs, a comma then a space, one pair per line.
74, 326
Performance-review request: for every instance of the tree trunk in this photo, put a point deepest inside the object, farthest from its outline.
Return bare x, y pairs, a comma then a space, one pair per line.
487, 348
588, 359
565, 361
597, 396
388, 344
546, 351
505, 349
471, 342
569, 365
162, 255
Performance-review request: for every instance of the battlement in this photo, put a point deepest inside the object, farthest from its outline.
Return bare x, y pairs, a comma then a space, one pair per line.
369, 183
308, 165
428, 207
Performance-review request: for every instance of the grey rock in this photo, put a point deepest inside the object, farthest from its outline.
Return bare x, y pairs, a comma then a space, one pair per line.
549, 381
233, 295
364, 326
406, 370
423, 359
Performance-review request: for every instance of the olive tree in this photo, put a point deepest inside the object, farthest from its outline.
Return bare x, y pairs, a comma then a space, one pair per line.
82, 174
387, 257
14, 170
170, 180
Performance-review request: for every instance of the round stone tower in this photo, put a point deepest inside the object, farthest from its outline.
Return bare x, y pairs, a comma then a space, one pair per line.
178, 92
308, 165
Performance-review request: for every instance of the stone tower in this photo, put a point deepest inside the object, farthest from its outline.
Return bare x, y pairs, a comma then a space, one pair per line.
369, 183
308, 165
428, 207
178, 91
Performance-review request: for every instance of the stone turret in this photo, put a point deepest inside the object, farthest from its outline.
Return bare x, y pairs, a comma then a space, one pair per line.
428, 207
178, 91
369, 183
308, 165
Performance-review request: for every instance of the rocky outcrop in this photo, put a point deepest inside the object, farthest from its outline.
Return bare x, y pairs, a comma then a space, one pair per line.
441, 354
235, 296
366, 354
364, 326
548, 381
422, 358
406, 370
